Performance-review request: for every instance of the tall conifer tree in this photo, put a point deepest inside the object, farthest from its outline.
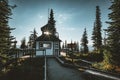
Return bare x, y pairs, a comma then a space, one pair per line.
84, 42
23, 43
96, 35
5, 30
32, 38
114, 32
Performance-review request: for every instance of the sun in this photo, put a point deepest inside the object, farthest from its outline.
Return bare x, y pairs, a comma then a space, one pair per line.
47, 33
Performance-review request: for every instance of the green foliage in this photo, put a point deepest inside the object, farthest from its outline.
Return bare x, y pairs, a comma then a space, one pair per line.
103, 66
93, 57
84, 42
28, 69
3, 58
107, 57
106, 64
23, 43
96, 35
50, 26
32, 38
5, 30
114, 32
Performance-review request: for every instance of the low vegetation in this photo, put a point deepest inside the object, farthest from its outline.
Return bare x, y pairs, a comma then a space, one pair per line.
26, 69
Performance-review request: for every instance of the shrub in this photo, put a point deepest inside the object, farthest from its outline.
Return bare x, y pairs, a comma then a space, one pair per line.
106, 64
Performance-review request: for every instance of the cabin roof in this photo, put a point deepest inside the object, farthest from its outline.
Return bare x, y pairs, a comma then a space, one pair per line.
47, 38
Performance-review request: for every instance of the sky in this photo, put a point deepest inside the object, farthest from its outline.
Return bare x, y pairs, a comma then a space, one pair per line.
71, 16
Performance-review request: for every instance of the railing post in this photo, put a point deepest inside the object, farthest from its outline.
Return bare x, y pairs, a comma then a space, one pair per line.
45, 70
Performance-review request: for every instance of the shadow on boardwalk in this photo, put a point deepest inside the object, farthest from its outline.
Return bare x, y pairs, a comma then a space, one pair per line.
58, 72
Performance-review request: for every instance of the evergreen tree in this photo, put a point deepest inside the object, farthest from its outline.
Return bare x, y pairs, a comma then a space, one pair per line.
51, 23
51, 19
5, 30
63, 45
84, 42
81, 50
96, 35
23, 43
77, 44
114, 32
32, 39
76, 47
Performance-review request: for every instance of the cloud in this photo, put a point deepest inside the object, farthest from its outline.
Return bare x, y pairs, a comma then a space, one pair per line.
40, 16
62, 18
68, 28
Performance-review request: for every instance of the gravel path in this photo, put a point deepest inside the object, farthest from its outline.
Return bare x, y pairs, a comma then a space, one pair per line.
58, 72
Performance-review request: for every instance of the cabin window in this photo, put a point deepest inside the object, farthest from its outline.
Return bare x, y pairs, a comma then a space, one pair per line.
41, 45
56, 45
45, 45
